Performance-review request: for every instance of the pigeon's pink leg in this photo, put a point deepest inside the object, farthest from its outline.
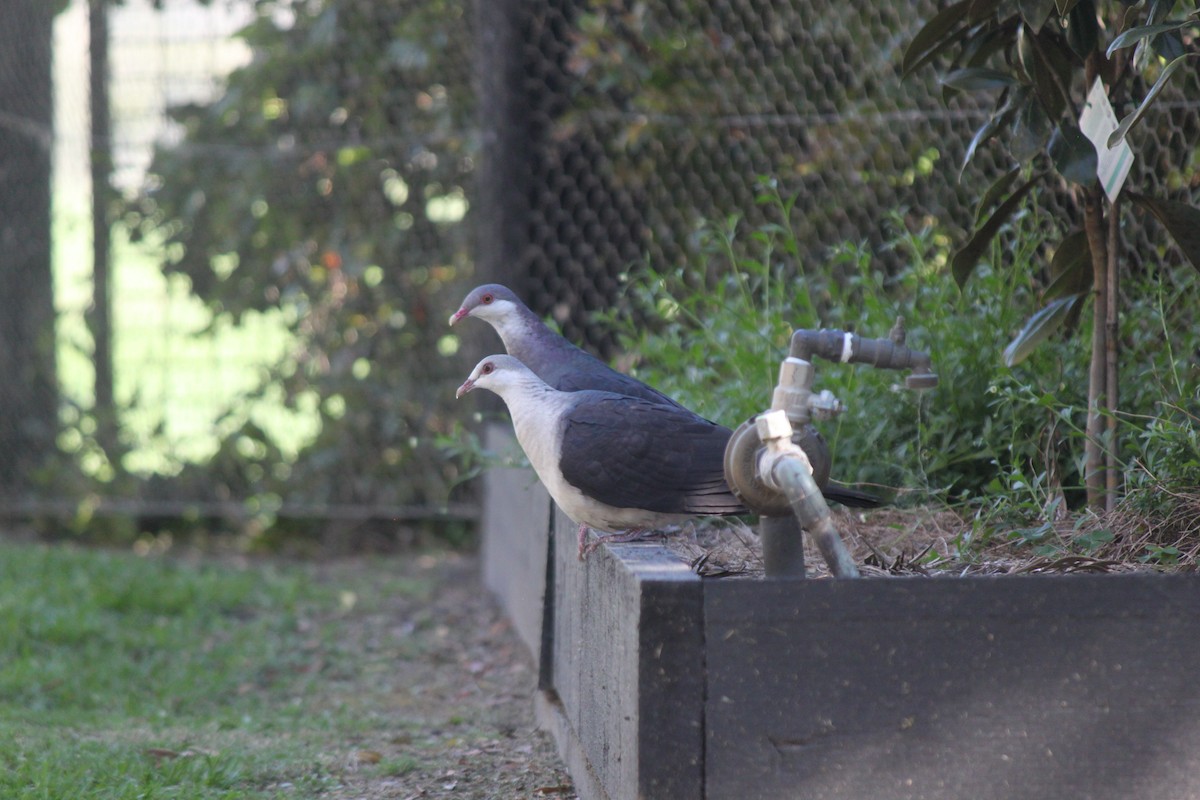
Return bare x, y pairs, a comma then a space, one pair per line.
583, 545
634, 535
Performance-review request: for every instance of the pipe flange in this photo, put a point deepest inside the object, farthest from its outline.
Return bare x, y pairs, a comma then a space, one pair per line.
741, 470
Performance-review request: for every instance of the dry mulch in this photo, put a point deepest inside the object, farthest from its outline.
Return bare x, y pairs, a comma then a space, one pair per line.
937, 542
461, 695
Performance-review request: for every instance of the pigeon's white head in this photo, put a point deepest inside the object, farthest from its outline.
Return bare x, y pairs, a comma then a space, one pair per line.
491, 303
497, 374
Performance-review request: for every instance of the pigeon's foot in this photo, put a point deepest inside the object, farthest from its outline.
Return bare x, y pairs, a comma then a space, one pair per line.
581, 536
620, 537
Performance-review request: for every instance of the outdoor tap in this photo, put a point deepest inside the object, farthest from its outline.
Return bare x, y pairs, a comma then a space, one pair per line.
889, 353
784, 466
776, 463
794, 394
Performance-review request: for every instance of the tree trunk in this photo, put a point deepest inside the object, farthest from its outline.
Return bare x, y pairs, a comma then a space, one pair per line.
100, 315
1094, 459
1112, 482
28, 381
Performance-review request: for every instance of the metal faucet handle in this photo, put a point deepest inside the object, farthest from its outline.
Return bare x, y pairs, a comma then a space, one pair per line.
824, 405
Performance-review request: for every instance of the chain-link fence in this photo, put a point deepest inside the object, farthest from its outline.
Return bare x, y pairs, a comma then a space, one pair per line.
653, 119
323, 187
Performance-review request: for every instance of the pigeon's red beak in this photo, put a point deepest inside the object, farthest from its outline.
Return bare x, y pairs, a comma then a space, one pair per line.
457, 315
467, 386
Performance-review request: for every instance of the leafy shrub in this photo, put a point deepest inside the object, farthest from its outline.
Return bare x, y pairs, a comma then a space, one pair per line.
986, 431
328, 182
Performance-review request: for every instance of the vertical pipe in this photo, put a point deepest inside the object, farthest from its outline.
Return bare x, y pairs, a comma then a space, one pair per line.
793, 476
783, 547
100, 316
500, 206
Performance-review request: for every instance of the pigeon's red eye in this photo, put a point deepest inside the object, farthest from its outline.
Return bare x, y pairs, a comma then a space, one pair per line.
488, 368
487, 298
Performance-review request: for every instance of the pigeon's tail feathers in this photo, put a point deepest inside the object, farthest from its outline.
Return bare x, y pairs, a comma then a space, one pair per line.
714, 499
851, 498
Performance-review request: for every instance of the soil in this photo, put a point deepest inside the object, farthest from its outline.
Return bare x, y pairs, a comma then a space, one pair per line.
459, 708
937, 542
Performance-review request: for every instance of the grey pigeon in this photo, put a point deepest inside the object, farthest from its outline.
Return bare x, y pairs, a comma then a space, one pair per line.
551, 357
565, 367
612, 462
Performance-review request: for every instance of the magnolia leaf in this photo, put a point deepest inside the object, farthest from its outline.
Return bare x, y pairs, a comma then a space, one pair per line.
1135, 35
1035, 12
1038, 329
1158, 10
1181, 220
1030, 129
1169, 46
968, 255
974, 79
1048, 61
1071, 267
934, 36
1083, 29
1132, 119
979, 49
1002, 116
1024, 60
996, 191
1065, 6
1073, 154
982, 135
981, 10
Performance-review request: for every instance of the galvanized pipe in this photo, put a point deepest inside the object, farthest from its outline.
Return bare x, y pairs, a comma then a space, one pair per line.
782, 546
890, 353
784, 467
794, 478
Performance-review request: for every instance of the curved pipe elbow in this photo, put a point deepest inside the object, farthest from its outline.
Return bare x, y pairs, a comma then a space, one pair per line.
835, 345
790, 472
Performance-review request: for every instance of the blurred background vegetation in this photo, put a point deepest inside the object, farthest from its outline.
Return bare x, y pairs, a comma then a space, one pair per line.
299, 193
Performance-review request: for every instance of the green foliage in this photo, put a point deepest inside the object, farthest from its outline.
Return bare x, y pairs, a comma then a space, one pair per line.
988, 432
329, 181
1038, 55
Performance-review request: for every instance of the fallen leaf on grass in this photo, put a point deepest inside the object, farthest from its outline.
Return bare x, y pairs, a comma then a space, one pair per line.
560, 789
367, 757
160, 754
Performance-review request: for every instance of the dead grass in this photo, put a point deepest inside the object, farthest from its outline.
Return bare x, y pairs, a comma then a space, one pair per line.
452, 695
1174, 530
944, 542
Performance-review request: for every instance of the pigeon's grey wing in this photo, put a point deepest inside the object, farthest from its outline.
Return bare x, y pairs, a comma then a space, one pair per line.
633, 453
604, 379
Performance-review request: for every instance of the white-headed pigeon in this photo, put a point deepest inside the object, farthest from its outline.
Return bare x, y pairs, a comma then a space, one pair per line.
551, 357
565, 367
612, 462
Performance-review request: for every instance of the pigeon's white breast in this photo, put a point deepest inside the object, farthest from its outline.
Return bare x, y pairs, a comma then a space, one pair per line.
539, 430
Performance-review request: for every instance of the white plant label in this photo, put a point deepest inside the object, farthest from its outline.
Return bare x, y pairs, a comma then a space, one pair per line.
1098, 121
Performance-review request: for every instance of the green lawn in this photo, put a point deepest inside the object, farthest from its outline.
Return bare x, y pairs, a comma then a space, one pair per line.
131, 677
179, 378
